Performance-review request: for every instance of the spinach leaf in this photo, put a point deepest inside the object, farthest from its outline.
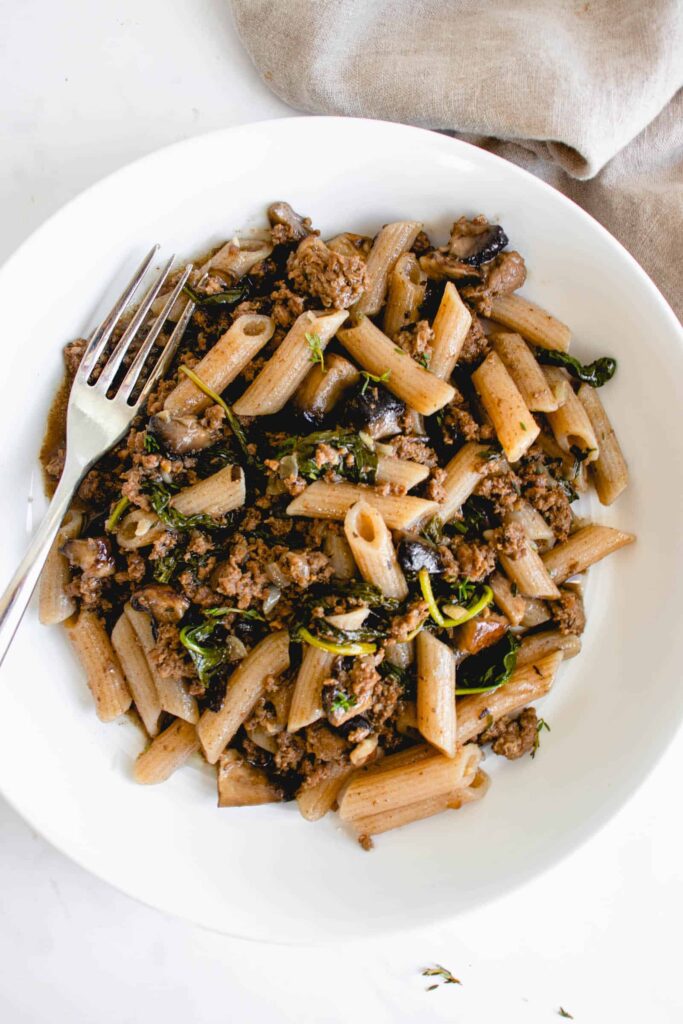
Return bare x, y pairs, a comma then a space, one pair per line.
490, 669
208, 659
160, 497
596, 373
229, 297
361, 468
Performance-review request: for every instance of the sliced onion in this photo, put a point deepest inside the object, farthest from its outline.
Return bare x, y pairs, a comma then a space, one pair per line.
289, 466
272, 597
235, 648
276, 575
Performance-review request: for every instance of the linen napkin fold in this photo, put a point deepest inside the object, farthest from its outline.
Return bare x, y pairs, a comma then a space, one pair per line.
581, 92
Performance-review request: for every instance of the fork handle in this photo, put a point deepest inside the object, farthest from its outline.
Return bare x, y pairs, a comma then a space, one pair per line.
14, 601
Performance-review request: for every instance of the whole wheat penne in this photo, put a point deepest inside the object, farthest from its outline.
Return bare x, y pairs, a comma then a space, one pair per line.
536, 612
105, 678
321, 500
529, 574
337, 549
476, 791
532, 522
405, 294
570, 423
384, 821
399, 786
418, 388
166, 753
463, 473
413, 422
373, 550
451, 324
316, 666
588, 545
391, 241
240, 784
217, 495
526, 684
348, 243
515, 427
403, 472
538, 645
528, 376
172, 693
609, 470
315, 801
269, 658
305, 341
436, 692
139, 529
140, 683
402, 655
222, 363
406, 720
511, 603
322, 387
532, 322
54, 603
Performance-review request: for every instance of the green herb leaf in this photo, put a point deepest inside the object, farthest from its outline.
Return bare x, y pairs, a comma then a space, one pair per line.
151, 443
230, 297
165, 567
424, 359
564, 1013
160, 498
343, 702
208, 659
399, 351
373, 377
372, 596
464, 591
317, 352
116, 513
433, 531
596, 373
542, 724
438, 971
474, 517
362, 468
490, 669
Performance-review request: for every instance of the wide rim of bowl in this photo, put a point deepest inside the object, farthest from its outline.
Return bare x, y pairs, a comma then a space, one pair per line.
621, 793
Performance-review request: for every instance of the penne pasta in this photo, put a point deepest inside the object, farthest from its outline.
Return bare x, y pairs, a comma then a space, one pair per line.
532, 322
321, 500
588, 545
173, 695
390, 243
405, 378
243, 340
237, 257
315, 801
535, 647
535, 612
533, 524
519, 361
511, 603
436, 692
167, 752
285, 371
316, 666
515, 427
463, 473
402, 655
134, 663
247, 683
55, 604
105, 678
337, 549
215, 496
373, 550
401, 472
384, 821
570, 424
405, 294
526, 684
529, 574
451, 324
139, 529
240, 784
609, 470
322, 388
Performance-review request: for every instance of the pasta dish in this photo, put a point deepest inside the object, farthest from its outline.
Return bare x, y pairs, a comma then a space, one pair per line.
337, 556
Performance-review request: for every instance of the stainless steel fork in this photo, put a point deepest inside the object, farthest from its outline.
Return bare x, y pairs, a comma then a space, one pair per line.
95, 422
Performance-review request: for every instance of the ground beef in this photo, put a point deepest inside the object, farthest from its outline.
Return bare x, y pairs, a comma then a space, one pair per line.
406, 447
476, 345
242, 575
548, 498
501, 488
55, 464
291, 749
92, 555
323, 744
401, 626
568, 612
512, 737
73, 353
435, 490
287, 305
366, 843
363, 677
459, 424
336, 281
503, 275
417, 340
168, 654
422, 244
510, 540
304, 568
386, 696
474, 560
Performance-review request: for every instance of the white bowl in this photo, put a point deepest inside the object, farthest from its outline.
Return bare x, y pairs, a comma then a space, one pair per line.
265, 872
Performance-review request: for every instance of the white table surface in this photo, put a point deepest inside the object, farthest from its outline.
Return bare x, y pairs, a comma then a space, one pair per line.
87, 87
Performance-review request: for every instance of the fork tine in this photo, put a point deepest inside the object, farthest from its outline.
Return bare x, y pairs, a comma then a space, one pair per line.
167, 354
112, 365
134, 370
101, 335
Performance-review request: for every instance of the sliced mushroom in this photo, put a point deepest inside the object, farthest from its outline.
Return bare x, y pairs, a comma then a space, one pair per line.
92, 555
414, 554
480, 632
376, 411
161, 601
476, 241
182, 434
292, 226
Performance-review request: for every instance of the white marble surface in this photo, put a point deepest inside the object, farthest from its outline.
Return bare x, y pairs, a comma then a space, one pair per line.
87, 87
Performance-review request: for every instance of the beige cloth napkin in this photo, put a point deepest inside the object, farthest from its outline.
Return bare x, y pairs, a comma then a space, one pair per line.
583, 93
